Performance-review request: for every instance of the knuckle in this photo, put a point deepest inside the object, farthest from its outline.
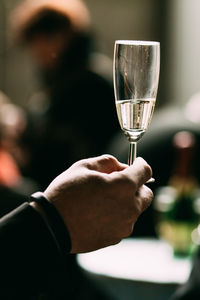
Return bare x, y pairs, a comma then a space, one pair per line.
108, 159
148, 170
147, 198
83, 163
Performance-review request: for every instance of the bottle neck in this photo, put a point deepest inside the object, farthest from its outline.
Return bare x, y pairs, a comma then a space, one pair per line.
183, 179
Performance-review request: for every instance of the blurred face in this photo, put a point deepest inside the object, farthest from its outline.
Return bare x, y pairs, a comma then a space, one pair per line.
46, 50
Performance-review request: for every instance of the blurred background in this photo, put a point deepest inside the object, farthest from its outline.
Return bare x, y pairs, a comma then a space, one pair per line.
175, 24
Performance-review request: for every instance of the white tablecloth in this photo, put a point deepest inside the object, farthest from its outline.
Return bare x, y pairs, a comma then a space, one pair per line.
144, 263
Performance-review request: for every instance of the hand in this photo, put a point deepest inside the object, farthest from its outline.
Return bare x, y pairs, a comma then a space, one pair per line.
100, 200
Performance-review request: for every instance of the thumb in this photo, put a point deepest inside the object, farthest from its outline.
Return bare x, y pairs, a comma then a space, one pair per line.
140, 171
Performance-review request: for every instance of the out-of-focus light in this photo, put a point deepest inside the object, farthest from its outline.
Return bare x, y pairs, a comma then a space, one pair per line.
192, 108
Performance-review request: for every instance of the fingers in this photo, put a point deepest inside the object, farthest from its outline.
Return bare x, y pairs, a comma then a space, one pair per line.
146, 196
140, 172
105, 164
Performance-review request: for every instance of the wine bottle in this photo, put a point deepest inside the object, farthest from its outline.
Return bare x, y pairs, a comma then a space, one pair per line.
178, 202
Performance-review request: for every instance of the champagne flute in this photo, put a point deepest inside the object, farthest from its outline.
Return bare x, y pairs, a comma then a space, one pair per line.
136, 74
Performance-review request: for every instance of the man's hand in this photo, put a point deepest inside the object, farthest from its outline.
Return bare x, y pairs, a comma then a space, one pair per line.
100, 200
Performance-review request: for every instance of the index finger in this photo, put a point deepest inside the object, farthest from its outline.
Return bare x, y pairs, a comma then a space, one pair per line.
140, 171
105, 164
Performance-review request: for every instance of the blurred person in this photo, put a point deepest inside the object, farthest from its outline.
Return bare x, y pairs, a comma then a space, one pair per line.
9, 171
73, 115
93, 204
10, 175
13, 185
12, 124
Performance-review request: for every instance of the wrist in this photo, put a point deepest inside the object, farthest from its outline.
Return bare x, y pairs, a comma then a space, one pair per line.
38, 207
54, 220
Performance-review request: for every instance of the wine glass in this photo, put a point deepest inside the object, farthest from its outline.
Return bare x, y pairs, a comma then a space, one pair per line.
136, 74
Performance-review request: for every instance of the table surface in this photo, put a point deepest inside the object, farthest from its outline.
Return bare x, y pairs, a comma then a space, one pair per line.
146, 260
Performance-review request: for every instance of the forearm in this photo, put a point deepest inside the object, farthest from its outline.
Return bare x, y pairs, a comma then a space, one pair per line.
28, 251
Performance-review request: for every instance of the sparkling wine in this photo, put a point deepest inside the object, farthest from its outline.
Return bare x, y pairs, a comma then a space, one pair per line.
135, 115
136, 67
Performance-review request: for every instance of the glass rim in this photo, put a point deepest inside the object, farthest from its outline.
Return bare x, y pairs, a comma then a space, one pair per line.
136, 42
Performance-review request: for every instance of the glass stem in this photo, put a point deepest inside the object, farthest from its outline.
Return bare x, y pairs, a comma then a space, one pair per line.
132, 153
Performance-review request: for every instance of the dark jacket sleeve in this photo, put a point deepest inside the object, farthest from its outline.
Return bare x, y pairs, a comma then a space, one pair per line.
28, 251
